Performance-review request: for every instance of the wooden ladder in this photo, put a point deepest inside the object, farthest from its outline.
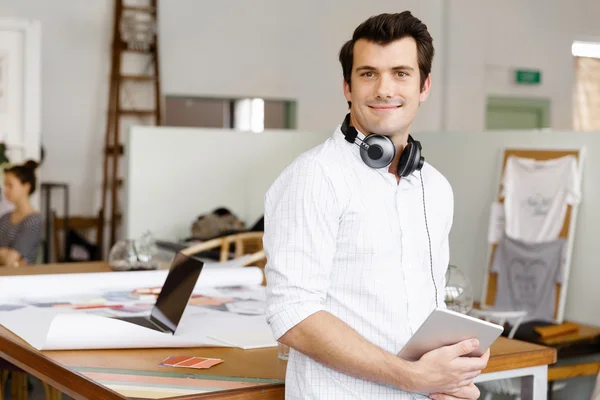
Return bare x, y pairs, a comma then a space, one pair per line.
134, 35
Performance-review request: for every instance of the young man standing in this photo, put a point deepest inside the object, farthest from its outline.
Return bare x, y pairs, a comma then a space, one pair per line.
357, 253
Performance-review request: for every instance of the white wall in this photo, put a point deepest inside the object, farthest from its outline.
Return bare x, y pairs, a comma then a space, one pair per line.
279, 49
282, 49
75, 64
266, 48
489, 39
20, 119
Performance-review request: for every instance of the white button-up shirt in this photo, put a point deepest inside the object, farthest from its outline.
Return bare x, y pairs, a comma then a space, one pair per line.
343, 237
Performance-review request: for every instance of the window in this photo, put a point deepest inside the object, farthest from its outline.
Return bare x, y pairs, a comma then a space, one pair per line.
249, 115
586, 96
244, 114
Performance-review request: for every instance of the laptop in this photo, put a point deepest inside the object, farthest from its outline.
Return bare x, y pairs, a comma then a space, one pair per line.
174, 296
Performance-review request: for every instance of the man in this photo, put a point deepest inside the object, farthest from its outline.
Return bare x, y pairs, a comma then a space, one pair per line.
354, 265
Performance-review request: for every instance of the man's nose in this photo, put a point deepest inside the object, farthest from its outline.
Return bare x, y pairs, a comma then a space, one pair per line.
385, 87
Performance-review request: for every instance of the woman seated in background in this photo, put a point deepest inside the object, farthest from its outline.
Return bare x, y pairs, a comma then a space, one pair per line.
21, 229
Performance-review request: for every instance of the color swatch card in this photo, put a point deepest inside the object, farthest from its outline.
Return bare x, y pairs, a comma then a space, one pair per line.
190, 362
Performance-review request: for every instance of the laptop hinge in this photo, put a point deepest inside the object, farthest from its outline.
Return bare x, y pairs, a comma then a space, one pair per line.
162, 326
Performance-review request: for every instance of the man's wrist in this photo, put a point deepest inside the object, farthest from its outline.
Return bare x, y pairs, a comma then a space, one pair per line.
402, 373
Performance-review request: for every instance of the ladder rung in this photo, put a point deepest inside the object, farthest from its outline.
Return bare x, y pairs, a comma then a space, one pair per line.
118, 216
151, 50
137, 112
140, 8
119, 183
138, 77
110, 150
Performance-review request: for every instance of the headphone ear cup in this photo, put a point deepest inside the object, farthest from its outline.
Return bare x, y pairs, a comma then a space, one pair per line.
381, 151
410, 160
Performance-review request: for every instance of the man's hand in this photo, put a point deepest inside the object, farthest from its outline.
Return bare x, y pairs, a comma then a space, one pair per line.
447, 371
466, 392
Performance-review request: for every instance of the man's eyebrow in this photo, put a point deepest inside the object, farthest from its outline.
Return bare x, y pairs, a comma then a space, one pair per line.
403, 68
366, 68
396, 68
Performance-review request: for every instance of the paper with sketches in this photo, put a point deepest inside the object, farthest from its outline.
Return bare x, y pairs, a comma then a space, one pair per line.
52, 312
496, 223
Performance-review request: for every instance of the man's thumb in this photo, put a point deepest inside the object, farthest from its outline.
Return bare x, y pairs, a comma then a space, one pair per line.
466, 347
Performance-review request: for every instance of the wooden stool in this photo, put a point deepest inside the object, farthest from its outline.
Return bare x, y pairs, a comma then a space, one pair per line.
51, 392
3, 378
19, 388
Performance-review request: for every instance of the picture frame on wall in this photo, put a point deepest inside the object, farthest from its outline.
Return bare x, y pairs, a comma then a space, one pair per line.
3, 81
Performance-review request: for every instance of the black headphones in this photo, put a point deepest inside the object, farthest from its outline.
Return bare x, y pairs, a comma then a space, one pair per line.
378, 151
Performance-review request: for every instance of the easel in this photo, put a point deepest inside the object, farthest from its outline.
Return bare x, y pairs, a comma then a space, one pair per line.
568, 229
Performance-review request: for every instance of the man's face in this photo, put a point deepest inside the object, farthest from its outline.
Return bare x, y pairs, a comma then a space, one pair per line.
385, 86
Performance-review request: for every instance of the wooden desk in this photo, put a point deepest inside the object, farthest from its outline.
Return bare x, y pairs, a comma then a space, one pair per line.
79, 373
585, 341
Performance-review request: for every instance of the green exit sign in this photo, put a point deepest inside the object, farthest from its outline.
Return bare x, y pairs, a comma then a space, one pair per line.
528, 77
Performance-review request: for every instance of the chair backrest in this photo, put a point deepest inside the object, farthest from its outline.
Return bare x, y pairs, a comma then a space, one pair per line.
91, 228
245, 243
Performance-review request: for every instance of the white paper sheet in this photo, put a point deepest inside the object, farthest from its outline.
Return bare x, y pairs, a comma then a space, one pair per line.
48, 286
56, 329
255, 334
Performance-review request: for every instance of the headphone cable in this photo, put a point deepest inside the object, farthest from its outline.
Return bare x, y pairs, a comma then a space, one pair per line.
429, 239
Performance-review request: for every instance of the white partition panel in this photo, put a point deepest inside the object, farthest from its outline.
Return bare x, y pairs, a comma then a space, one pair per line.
175, 174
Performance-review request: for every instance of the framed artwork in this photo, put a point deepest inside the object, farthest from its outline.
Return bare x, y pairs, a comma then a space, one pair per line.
3, 80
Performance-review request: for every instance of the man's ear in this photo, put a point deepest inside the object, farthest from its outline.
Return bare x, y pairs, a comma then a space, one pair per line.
347, 91
425, 89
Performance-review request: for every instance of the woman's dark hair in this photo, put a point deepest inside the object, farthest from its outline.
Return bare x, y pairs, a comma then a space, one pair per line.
25, 173
386, 28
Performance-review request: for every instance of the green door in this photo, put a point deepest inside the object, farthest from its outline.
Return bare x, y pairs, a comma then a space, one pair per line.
517, 113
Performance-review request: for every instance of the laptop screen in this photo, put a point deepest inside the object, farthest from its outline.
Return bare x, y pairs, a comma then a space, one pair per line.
176, 291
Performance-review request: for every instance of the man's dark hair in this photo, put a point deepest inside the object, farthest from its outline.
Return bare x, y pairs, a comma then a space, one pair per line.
386, 28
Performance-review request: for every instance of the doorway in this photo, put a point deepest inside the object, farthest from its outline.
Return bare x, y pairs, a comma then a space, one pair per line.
512, 113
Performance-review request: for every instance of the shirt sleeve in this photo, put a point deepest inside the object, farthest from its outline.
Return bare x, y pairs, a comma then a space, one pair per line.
301, 225
28, 238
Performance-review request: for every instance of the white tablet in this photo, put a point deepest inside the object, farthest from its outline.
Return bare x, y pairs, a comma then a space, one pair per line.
445, 327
